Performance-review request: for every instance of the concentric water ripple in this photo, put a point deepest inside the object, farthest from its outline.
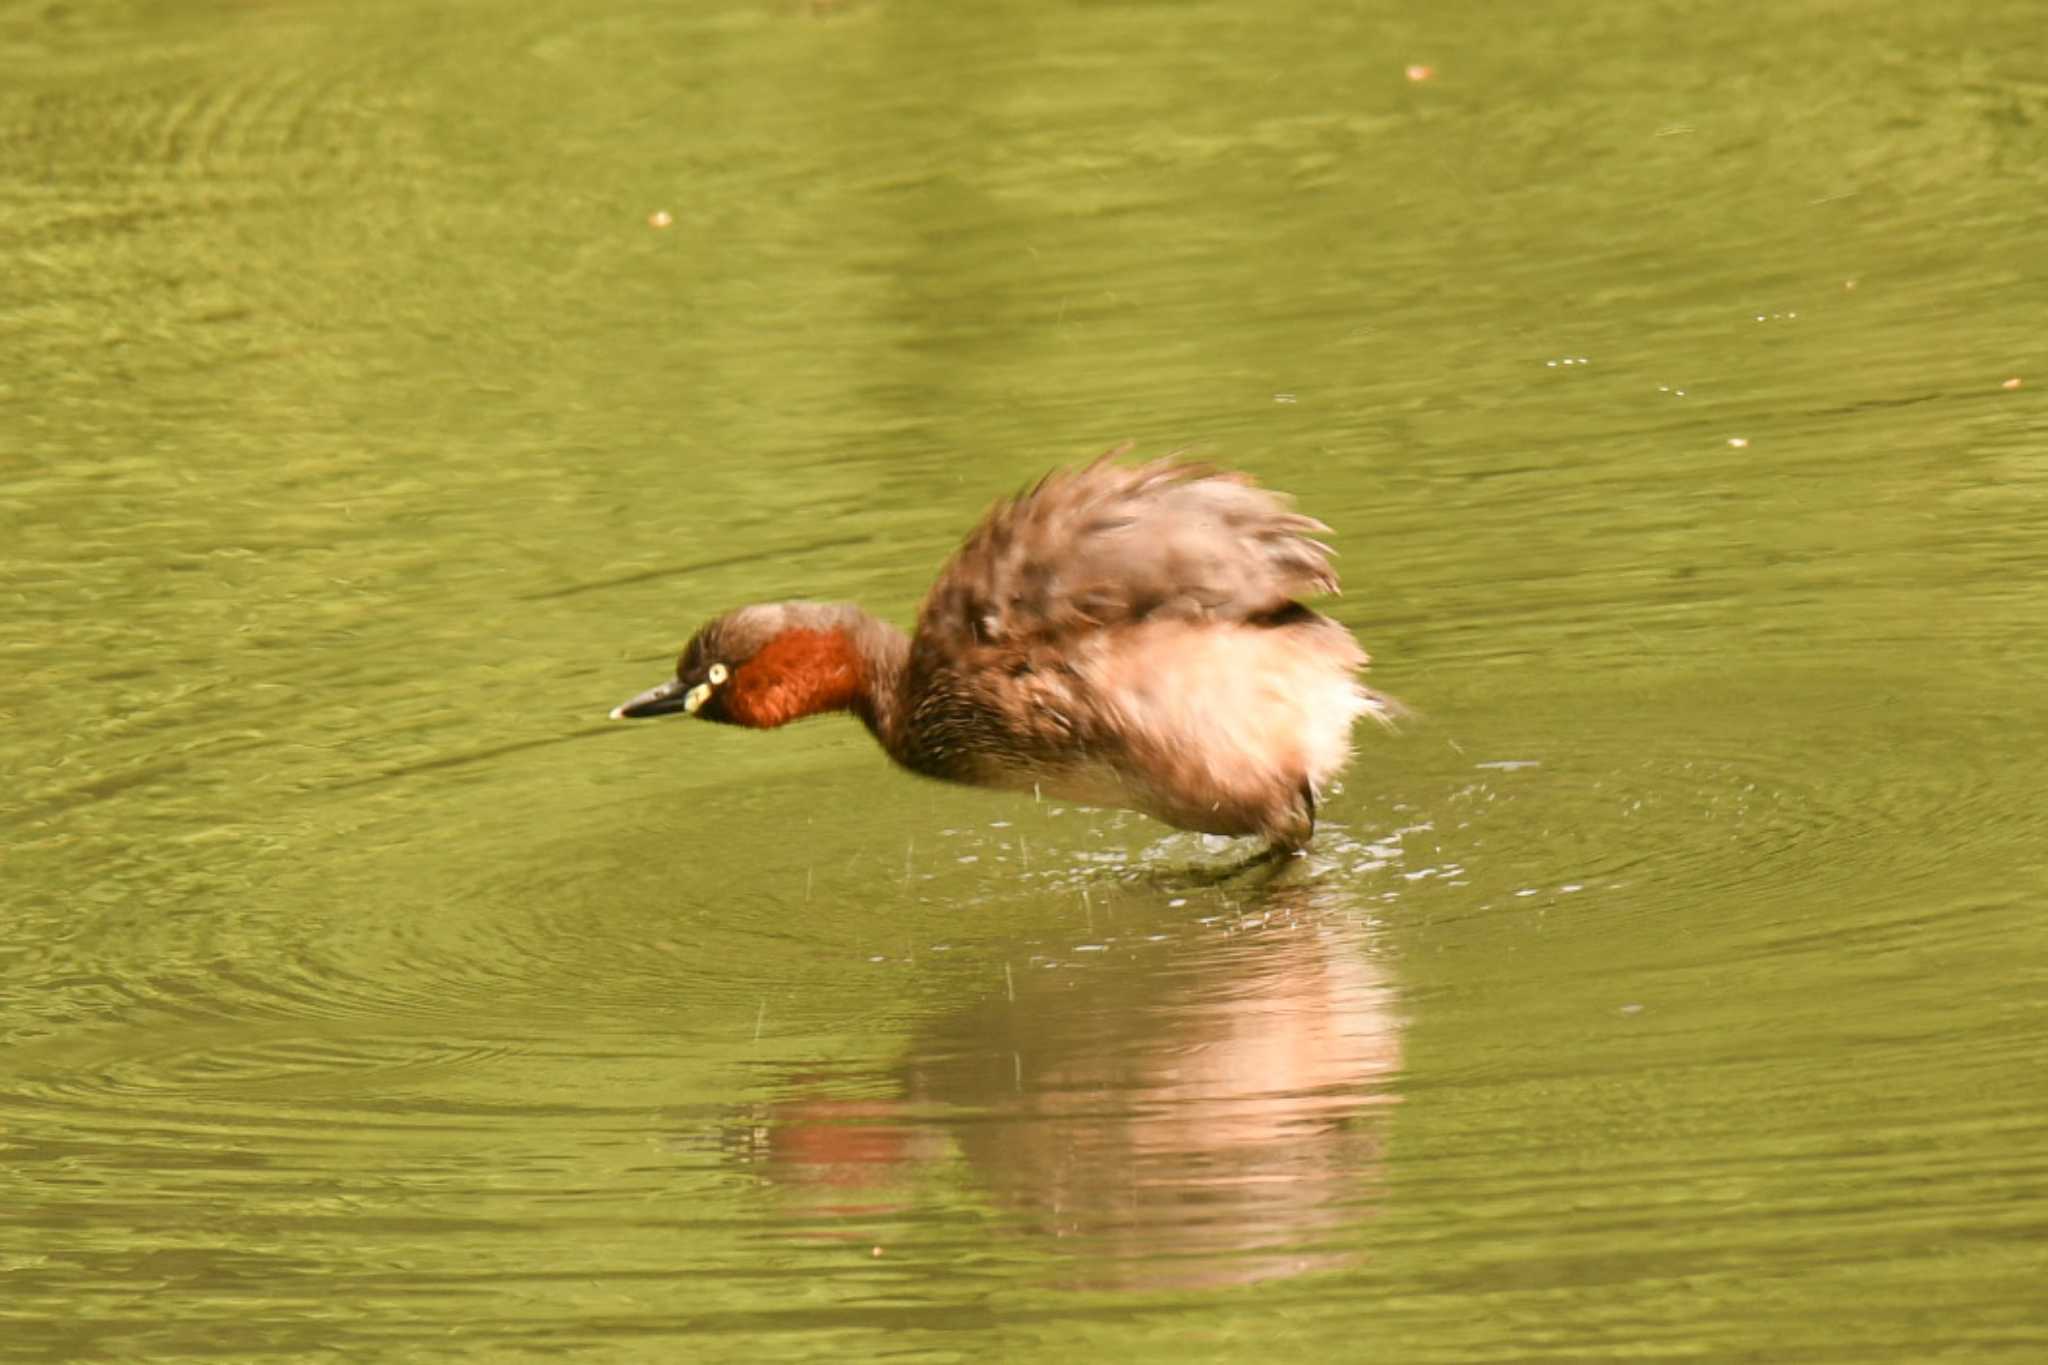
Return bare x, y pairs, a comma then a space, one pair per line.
388, 388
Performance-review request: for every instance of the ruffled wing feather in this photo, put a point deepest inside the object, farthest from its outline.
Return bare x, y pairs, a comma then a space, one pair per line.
1112, 544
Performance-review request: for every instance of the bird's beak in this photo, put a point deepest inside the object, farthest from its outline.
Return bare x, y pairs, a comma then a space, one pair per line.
659, 701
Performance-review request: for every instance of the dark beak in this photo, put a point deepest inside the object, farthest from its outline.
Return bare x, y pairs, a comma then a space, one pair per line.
655, 701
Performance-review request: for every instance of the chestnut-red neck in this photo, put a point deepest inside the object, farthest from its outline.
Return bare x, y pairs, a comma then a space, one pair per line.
799, 673
809, 670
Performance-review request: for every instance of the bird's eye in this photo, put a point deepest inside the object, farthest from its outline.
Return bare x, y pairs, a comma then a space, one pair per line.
717, 674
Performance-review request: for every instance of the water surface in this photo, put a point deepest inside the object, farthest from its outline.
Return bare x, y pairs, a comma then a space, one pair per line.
387, 392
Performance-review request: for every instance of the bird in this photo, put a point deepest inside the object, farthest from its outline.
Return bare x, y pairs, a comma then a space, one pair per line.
1122, 635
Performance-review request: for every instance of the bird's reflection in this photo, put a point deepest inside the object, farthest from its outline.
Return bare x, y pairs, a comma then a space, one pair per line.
1195, 1103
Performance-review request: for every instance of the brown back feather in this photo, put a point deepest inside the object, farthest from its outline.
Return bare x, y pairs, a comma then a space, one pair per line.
1110, 544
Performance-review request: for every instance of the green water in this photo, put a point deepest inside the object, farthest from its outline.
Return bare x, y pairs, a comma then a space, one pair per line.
1671, 988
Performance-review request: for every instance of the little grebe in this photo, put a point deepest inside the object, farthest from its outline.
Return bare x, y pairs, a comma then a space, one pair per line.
1117, 636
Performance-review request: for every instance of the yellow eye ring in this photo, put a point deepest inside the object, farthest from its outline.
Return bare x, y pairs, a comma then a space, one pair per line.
716, 674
